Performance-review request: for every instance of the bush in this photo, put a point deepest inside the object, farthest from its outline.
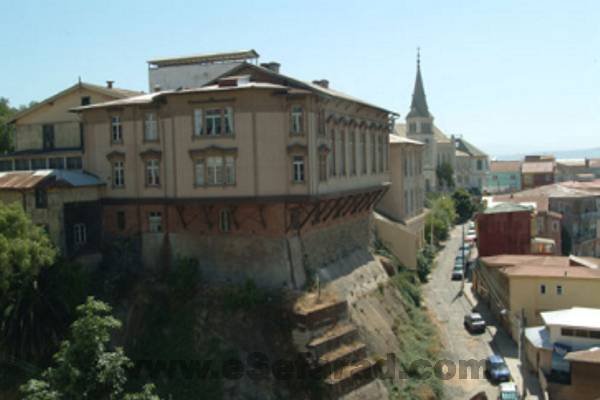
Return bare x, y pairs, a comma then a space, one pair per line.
464, 206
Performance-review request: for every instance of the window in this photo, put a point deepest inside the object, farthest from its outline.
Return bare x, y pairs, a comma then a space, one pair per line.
412, 127
199, 172
41, 198
595, 334
150, 127
86, 101
425, 127
337, 148
363, 152
374, 144
322, 167
352, 149
79, 234
225, 220
543, 289
48, 133
581, 333
343, 151
121, 223
6, 165
296, 120
116, 129
559, 289
155, 222
229, 170
213, 122
38, 163
567, 332
298, 169
56, 163
380, 148
21, 164
228, 120
153, 172
214, 167
118, 174
479, 165
74, 163
198, 123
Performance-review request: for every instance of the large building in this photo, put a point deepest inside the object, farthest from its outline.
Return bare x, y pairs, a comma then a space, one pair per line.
439, 151
257, 174
504, 177
400, 216
472, 166
49, 136
518, 288
579, 205
537, 171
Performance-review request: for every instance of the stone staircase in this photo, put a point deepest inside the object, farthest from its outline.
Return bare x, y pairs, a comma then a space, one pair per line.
331, 344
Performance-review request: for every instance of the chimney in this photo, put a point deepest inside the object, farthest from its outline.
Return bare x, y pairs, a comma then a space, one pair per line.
109, 84
324, 83
273, 66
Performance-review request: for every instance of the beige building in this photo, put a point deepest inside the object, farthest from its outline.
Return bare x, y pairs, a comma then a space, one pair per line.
472, 166
64, 203
400, 216
49, 136
439, 149
255, 162
524, 286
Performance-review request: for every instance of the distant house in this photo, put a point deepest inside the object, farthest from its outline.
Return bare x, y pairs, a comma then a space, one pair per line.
565, 353
65, 203
537, 171
400, 214
509, 228
518, 288
49, 136
504, 177
472, 165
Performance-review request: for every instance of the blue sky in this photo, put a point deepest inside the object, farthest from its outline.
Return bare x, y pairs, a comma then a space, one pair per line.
511, 76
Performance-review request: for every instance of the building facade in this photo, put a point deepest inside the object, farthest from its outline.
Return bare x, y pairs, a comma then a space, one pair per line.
49, 136
537, 171
254, 162
472, 166
504, 177
400, 214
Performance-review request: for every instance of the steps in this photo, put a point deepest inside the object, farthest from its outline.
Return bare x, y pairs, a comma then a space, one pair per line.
331, 344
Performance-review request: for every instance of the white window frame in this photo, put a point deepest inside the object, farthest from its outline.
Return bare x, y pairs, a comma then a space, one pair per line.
213, 121
228, 125
150, 127
155, 222
118, 174
79, 234
296, 117
116, 129
214, 170
199, 172
153, 172
298, 172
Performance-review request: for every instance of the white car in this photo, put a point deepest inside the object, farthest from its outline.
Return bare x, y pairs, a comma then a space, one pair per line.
508, 391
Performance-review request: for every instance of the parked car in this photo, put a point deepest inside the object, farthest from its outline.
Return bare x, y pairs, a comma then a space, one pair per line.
458, 260
465, 248
471, 235
508, 391
496, 369
458, 273
474, 323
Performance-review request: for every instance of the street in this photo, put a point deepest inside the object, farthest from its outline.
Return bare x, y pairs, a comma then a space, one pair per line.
448, 306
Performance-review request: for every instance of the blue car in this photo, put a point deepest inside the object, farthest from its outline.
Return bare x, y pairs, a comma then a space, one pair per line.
496, 369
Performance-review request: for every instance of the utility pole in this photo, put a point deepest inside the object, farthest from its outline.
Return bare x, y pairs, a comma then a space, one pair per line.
464, 261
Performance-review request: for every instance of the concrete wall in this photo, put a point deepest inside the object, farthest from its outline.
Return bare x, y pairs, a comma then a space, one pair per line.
404, 241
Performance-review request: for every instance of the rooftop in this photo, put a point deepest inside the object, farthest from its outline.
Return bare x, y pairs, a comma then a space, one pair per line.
508, 208
505, 166
541, 194
24, 180
544, 266
469, 148
537, 167
576, 317
396, 139
439, 136
205, 58
587, 356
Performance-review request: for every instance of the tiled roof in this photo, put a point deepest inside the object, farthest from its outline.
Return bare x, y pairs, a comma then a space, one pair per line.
23, 180
469, 148
587, 356
537, 167
541, 266
505, 166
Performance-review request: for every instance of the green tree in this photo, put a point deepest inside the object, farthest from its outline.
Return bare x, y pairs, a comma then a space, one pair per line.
6, 130
464, 205
445, 174
440, 219
84, 366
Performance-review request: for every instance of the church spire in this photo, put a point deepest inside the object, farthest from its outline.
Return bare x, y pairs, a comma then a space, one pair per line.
418, 107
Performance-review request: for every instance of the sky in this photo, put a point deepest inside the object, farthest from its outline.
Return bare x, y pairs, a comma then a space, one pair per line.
510, 76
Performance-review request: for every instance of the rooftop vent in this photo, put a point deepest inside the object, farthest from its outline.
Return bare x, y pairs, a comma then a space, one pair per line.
322, 82
109, 84
273, 66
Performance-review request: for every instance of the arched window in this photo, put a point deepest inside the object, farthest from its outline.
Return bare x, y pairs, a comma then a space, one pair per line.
225, 220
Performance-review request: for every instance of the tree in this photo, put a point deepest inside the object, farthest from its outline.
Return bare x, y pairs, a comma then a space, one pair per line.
6, 131
441, 217
445, 174
463, 205
85, 368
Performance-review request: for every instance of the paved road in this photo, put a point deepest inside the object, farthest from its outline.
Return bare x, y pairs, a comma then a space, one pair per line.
448, 306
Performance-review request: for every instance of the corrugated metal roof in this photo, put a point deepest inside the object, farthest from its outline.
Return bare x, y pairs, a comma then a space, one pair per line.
24, 180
